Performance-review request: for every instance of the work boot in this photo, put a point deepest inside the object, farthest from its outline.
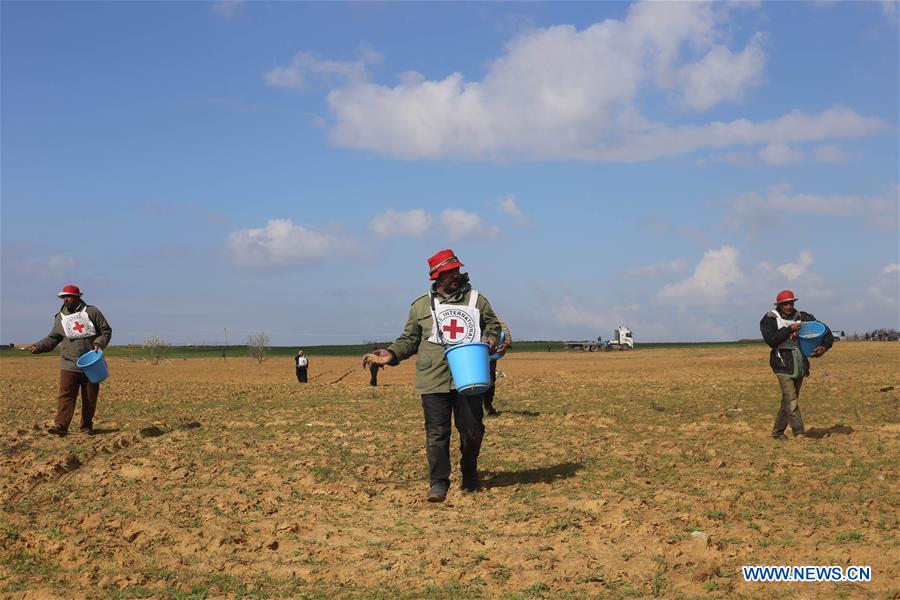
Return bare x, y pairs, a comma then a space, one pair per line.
56, 430
437, 492
470, 483
88, 430
780, 438
491, 411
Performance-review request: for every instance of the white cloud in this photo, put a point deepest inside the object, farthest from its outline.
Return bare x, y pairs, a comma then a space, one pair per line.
676, 266
60, 264
568, 94
567, 313
594, 319
781, 154
226, 8
754, 209
55, 265
460, 225
717, 271
508, 205
885, 290
737, 159
306, 66
794, 270
281, 242
830, 153
722, 75
410, 223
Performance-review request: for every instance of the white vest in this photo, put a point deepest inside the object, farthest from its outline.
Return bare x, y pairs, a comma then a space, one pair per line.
78, 325
791, 342
453, 324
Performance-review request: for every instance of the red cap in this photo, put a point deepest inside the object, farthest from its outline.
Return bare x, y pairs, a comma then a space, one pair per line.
784, 296
69, 290
444, 260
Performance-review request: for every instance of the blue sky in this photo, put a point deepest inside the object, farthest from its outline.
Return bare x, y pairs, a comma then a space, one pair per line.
288, 168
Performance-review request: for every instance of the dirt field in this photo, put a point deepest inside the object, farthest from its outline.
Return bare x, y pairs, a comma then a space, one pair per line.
228, 479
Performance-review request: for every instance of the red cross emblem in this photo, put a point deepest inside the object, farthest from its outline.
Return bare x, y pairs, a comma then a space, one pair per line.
453, 329
78, 326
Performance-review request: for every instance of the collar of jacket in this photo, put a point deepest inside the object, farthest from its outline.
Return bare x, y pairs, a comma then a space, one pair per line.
458, 296
78, 308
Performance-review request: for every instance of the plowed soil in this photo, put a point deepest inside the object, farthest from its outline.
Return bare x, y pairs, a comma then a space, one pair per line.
625, 474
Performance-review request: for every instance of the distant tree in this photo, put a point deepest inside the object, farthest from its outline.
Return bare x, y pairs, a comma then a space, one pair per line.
156, 348
258, 346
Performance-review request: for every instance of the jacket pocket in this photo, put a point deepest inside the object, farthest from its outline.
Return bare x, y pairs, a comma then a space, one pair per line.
423, 362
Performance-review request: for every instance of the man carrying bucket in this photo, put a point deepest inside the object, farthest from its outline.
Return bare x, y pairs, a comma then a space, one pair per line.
449, 314
81, 328
779, 329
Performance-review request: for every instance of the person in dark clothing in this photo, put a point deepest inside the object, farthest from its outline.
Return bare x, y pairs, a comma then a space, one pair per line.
80, 328
505, 343
779, 330
373, 374
302, 363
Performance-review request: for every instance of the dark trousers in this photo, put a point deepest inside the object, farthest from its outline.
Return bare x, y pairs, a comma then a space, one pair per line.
301, 374
69, 384
489, 395
467, 414
373, 379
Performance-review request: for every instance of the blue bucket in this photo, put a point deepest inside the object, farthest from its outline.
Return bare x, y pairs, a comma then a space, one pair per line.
470, 367
810, 336
93, 365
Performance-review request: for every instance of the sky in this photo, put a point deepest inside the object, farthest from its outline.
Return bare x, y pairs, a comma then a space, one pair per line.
206, 171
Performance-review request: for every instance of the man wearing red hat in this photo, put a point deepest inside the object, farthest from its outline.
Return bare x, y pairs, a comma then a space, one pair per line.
80, 328
779, 330
450, 313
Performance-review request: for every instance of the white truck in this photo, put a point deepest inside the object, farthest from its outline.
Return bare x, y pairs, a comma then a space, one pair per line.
585, 346
622, 340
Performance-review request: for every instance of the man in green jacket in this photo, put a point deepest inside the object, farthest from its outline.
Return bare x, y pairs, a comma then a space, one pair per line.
80, 328
450, 313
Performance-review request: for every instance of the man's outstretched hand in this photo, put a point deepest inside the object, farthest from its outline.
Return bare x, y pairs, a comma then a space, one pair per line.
378, 357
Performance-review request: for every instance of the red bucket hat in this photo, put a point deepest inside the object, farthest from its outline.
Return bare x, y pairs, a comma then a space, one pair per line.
444, 260
785, 296
70, 290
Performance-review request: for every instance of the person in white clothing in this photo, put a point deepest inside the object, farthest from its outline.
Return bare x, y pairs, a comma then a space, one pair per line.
302, 363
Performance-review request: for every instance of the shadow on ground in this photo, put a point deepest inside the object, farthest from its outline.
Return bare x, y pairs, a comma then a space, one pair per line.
521, 413
98, 431
542, 475
818, 434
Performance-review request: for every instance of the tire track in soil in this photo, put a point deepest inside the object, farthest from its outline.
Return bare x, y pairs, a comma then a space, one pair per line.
60, 470
342, 376
322, 374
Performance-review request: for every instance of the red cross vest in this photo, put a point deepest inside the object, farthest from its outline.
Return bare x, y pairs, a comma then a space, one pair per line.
453, 324
78, 325
791, 342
